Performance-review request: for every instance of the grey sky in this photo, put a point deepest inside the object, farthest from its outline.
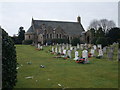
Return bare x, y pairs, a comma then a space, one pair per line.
16, 14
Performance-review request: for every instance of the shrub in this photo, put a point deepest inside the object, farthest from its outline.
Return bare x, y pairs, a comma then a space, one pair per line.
9, 62
109, 40
27, 42
114, 34
75, 41
16, 40
102, 40
56, 41
94, 40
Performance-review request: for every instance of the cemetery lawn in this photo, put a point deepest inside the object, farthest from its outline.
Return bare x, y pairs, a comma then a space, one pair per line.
100, 73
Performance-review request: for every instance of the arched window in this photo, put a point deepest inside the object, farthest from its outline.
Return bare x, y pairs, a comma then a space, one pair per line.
57, 35
47, 36
51, 36
60, 36
29, 36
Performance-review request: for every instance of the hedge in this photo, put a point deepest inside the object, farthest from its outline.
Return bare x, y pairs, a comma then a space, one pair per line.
9, 62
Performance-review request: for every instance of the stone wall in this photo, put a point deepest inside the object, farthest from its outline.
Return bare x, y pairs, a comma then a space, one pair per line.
29, 36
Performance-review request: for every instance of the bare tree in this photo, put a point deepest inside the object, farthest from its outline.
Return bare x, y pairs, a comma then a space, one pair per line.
94, 24
105, 24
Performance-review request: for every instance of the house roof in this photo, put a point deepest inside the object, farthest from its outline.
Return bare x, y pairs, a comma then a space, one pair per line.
72, 28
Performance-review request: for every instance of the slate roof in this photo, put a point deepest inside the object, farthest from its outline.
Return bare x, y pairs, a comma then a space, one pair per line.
72, 28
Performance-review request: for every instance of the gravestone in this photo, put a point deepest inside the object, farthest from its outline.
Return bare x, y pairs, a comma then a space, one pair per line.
104, 49
38, 46
76, 55
81, 46
46, 44
92, 52
100, 52
99, 46
95, 47
33, 43
86, 46
53, 44
75, 49
53, 49
63, 47
78, 46
56, 51
41, 47
85, 54
89, 45
112, 49
67, 47
110, 54
64, 52
70, 45
69, 53
71, 48
60, 50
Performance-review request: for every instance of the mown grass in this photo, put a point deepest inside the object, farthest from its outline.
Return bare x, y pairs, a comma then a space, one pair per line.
100, 73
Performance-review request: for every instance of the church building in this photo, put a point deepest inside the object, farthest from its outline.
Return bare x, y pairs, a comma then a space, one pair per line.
42, 30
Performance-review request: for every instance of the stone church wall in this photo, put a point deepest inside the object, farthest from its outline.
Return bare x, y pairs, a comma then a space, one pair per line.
29, 36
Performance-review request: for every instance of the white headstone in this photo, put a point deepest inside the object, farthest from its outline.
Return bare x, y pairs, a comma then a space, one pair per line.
85, 54
81, 46
70, 45
46, 44
64, 51
63, 47
60, 50
69, 53
100, 51
41, 47
78, 46
95, 47
53, 44
92, 52
56, 50
104, 50
38, 46
76, 55
99, 46
53, 49
89, 45
71, 48
67, 46
75, 49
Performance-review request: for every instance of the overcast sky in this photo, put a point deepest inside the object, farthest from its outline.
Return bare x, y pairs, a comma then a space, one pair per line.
16, 14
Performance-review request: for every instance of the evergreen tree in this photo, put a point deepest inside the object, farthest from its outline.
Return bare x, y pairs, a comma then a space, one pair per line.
114, 34
9, 62
100, 33
21, 34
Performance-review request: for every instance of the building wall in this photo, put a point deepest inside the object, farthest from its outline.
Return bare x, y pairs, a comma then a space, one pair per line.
40, 38
46, 33
88, 37
29, 36
55, 33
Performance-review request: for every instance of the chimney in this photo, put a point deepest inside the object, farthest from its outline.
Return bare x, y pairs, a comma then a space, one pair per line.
79, 19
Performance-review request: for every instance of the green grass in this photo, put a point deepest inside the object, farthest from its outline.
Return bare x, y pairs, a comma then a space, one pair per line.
100, 73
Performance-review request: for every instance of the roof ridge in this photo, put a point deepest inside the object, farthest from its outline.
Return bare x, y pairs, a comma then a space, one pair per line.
57, 21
